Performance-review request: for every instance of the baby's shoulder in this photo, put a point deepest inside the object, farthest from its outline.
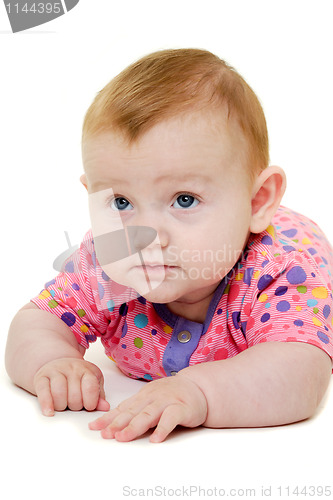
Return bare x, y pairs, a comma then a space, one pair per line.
293, 250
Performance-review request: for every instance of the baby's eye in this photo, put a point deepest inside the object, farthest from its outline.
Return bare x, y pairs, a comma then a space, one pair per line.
186, 201
121, 204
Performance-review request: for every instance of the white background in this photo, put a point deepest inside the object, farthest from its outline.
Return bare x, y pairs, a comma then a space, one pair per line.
49, 76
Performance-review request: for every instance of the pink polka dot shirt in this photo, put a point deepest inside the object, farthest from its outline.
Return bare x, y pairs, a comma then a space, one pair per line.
280, 290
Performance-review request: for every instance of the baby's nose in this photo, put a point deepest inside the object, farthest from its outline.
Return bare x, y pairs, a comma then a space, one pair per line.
140, 237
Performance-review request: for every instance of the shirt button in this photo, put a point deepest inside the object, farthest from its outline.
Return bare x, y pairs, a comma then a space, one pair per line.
184, 336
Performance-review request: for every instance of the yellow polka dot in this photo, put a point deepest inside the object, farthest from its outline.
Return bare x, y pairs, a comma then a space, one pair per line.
239, 276
167, 329
264, 253
306, 241
84, 329
44, 295
271, 231
316, 321
263, 297
320, 292
110, 357
226, 290
298, 308
256, 275
300, 249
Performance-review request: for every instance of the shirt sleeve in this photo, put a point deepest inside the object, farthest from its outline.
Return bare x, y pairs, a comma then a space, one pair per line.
291, 302
75, 295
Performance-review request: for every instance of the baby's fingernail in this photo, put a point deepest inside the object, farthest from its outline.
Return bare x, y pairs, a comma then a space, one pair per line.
48, 412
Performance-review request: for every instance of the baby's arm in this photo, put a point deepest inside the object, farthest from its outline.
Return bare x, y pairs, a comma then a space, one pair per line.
272, 383
44, 358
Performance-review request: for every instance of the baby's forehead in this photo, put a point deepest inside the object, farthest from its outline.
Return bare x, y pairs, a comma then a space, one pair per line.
201, 143
198, 127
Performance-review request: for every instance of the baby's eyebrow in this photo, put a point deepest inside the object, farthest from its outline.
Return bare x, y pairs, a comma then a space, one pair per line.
183, 178
103, 184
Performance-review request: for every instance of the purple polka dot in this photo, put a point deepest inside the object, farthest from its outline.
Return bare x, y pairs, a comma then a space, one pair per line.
123, 346
235, 319
75, 286
69, 267
281, 290
283, 306
265, 317
264, 281
105, 276
49, 283
154, 332
266, 240
142, 300
248, 273
312, 251
296, 275
100, 290
123, 309
288, 248
326, 311
90, 338
124, 329
68, 318
290, 233
219, 311
298, 322
323, 337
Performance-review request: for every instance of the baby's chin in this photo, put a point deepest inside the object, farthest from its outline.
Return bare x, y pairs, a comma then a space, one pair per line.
160, 294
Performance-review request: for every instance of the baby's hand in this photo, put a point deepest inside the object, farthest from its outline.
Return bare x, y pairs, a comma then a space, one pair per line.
164, 403
70, 382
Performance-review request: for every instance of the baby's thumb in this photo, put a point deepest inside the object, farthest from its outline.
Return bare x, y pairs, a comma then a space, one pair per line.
102, 405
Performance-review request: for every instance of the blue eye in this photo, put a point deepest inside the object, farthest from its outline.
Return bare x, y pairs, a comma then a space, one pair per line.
186, 201
121, 204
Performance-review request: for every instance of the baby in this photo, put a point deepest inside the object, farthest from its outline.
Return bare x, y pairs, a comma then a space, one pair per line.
193, 275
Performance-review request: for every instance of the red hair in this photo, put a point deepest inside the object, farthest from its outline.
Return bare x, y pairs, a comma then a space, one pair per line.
168, 82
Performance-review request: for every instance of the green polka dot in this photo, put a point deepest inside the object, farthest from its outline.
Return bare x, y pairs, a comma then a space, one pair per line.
315, 310
81, 312
52, 304
138, 342
301, 289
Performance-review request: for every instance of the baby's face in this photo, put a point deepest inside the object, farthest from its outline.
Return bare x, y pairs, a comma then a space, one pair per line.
186, 179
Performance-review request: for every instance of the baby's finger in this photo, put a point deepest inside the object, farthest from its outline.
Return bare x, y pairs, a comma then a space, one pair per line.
59, 391
90, 391
102, 422
172, 416
43, 393
137, 426
102, 405
74, 394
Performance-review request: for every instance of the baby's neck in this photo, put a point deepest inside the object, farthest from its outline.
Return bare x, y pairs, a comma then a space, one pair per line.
195, 310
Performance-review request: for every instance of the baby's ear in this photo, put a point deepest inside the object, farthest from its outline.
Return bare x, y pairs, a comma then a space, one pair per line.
83, 180
267, 193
